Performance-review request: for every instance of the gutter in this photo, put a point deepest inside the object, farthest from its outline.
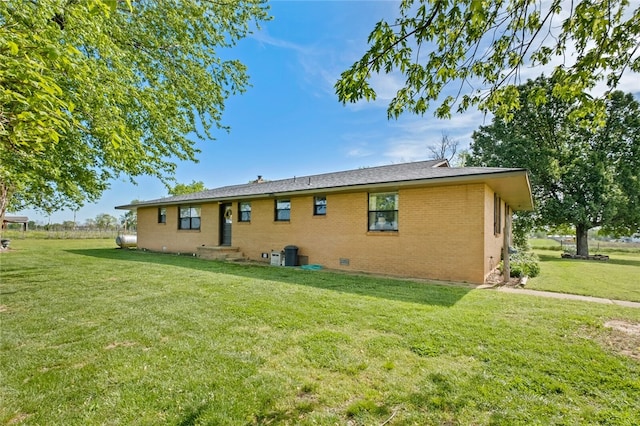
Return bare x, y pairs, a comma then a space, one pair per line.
447, 180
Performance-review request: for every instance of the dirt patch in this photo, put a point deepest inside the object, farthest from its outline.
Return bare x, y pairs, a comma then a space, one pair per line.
496, 279
623, 337
624, 326
4, 308
18, 418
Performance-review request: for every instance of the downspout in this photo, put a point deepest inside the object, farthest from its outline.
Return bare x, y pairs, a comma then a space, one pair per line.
506, 267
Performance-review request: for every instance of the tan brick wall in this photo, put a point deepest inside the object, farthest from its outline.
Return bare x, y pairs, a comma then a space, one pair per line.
493, 242
436, 233
441, 232
166, 236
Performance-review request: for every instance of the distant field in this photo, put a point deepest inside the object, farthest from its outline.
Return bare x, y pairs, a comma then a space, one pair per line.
595, 246
94, 335
59, 235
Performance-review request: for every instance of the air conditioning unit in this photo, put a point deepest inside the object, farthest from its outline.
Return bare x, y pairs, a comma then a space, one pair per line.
275, 258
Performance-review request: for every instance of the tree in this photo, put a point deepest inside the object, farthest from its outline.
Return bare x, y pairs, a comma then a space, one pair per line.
105, 221
97, 89
188, 188
580, 176
68, 225
462, 159
130, 219
445, 150
480, 47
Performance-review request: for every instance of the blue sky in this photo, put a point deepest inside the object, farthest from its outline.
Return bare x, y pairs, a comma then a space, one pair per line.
290, 123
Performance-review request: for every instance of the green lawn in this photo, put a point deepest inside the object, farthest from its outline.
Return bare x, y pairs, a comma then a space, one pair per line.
95, 335
618, 278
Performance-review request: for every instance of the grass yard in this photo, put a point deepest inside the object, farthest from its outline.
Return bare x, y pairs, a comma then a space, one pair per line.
95, 335
617, 278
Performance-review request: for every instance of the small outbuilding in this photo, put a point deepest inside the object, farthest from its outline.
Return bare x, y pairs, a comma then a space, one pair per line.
22, 220
421, 219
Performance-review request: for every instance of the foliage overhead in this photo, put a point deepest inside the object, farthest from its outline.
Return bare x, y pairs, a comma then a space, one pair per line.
479, 48
92, 90
580, 176
187, 188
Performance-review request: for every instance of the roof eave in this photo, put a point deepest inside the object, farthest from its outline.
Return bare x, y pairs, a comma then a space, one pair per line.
522, 203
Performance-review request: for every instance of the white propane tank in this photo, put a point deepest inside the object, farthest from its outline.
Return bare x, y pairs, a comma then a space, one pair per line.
126, 241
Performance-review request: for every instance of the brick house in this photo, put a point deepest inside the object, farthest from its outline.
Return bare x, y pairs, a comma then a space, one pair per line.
421, 219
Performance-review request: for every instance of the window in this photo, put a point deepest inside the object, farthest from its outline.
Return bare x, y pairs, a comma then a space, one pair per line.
320, 206
497, 210
162, 215
383, 211
244, 212
283, 210
189, 217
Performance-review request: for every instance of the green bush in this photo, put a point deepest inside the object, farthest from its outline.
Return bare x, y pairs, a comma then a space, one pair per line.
523, 264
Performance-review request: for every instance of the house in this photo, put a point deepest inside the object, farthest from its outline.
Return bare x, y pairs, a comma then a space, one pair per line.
420, 219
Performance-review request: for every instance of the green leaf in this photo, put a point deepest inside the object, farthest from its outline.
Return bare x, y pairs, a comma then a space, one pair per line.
480, 46
54, 136
13, 47
106, 91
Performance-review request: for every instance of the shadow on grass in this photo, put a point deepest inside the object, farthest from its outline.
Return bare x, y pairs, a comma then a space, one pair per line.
367, 285
192, 416
612, 260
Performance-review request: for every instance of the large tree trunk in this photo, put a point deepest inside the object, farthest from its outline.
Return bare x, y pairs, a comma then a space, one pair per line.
4, 202
582, 240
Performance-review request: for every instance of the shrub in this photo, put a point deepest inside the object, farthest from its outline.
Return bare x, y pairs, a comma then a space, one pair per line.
522, 264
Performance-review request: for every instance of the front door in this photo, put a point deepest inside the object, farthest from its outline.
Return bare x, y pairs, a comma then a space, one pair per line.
226, 219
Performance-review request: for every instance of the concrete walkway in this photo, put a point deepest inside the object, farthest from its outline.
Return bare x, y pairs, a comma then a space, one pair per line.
566, 296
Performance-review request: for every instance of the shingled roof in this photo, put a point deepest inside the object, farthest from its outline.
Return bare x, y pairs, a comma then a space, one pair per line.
399, 175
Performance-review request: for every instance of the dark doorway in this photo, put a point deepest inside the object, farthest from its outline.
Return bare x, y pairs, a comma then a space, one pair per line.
226, 219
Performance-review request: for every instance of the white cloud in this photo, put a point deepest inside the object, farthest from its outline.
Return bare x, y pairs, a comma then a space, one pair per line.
323, 60
362, 144
409, 139
400, 152
406, 139
630, 82
322, 68
361, 151
387, 85
265, 38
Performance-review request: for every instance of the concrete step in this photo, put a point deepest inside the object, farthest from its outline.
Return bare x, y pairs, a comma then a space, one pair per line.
220, 253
